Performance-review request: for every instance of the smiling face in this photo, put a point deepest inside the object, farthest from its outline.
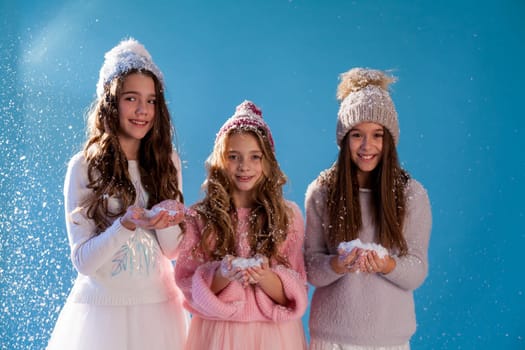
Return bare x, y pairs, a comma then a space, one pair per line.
365, 141
136, 106
244, 166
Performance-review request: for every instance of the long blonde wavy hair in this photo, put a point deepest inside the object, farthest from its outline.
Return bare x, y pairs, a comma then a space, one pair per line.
269, 218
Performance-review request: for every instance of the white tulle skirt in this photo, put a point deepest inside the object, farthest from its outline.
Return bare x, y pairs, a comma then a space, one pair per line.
159, 326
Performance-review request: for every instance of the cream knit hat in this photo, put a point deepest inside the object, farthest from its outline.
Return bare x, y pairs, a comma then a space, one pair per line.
127, 55
364, 97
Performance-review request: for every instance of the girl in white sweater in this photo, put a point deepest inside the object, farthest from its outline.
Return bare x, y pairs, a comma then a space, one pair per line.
123, 206
363, 297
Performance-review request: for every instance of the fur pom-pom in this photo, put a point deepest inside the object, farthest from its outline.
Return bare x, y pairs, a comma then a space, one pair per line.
358, 78
126, 45
248, 108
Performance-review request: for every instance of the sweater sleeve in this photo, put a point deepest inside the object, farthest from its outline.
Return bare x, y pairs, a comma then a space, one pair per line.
317, 255
194, 276
178, 165
412, 269
88, 250
293, 278
169, 238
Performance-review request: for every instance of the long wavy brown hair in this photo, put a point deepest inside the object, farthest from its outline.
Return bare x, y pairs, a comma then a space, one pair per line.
389, 182
270, 216
107, 165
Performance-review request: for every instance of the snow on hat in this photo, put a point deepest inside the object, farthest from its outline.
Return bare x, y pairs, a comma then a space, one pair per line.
127, 55
364, 97
247, 116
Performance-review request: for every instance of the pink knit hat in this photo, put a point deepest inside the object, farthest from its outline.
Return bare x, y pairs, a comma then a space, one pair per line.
247, 116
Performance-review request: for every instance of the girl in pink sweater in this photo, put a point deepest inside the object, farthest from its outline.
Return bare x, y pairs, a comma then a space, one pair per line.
241, 263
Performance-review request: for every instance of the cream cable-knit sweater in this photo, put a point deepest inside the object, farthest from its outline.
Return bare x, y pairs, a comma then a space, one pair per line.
119, 266
235, 302
361, 308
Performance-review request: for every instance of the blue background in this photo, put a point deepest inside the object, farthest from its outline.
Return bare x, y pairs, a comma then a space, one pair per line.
459, 98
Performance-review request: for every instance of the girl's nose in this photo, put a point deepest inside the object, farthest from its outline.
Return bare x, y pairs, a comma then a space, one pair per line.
141, 108
364, 142
243, 165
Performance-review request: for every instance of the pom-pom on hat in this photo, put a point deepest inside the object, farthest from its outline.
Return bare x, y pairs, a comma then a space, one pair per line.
127, 55
363, 94
247, 116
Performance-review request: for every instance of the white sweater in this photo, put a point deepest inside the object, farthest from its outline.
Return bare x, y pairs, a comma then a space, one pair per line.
118, 266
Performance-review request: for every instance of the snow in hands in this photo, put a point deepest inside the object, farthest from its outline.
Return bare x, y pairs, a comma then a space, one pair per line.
151, 213
245, 263
347, 247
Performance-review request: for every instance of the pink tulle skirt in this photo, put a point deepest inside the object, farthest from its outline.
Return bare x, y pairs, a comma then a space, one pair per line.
226, 335
159, 326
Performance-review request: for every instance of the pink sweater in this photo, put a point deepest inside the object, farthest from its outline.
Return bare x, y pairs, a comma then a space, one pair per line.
236, 303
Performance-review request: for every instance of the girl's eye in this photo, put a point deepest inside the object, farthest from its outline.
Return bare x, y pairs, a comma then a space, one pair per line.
152, 102
379, 135
355, 134
232, 157
130, 98
256, 157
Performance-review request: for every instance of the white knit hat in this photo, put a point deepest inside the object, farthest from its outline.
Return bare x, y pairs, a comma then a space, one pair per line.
127, 55
364, 97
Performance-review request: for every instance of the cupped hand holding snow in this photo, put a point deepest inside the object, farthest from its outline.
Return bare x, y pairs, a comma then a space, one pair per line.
245, 263
346, 247
156, 210
235, 268
172, 207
